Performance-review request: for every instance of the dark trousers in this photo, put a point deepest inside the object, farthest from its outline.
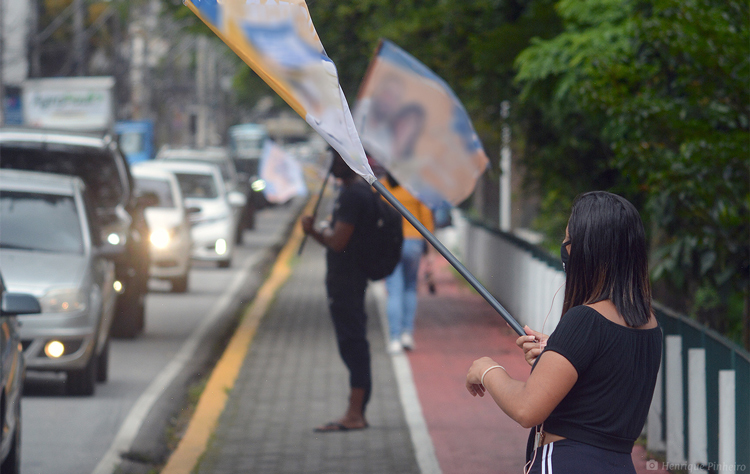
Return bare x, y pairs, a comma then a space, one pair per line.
571, 457
346, 302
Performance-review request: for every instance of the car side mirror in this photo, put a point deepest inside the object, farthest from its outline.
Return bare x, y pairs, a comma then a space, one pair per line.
236, 199
19, 303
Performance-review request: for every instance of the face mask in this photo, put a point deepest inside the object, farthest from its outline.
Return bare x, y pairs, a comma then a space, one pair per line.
564, 256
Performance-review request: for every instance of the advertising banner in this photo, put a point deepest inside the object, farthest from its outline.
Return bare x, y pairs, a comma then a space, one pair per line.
282, 173
278, 41
411, 123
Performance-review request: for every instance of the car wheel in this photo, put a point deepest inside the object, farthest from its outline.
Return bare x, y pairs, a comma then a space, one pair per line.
102, 365
12, 463
128, 322
180, 284
83, 382
224, 263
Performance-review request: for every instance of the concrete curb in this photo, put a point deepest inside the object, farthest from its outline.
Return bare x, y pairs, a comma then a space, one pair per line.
214, 397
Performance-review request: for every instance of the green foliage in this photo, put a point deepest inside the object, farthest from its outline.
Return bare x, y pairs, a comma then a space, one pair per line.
664, 86
646, 98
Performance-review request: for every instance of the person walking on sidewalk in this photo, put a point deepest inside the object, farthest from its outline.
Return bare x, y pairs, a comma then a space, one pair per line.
402, 283
346, 282
592, 380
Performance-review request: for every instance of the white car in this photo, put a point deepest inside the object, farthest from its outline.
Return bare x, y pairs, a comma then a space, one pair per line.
211, 208
168, 225
220, 157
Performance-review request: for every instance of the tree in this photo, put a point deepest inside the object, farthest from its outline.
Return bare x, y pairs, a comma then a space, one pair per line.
666, 83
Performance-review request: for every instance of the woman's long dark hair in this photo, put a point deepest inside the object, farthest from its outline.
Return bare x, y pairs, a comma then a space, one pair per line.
608, 257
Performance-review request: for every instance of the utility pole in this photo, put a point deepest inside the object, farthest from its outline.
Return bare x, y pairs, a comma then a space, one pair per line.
505, 163
35, 60
2, 62
79, 37
201, 64
142, 30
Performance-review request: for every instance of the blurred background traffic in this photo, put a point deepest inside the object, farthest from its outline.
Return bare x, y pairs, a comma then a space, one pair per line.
136, 147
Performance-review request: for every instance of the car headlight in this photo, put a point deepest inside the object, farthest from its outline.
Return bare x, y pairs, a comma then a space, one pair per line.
220, 247
160, 238
63, 301
114, 238
258, 185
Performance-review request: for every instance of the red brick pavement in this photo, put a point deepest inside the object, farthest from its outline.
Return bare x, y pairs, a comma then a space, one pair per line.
454, 327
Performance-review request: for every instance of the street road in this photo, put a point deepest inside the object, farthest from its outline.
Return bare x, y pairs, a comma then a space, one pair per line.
147, 375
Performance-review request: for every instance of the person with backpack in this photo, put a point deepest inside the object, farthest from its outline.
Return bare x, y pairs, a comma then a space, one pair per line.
346, 241
402, 283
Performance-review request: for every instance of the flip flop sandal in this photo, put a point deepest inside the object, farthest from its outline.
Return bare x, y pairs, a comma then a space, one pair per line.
335, 426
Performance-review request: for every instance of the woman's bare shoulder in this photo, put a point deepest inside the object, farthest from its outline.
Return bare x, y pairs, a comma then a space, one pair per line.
608, 310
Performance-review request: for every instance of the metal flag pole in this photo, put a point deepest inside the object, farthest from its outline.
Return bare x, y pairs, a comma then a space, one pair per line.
450, 257
315, 209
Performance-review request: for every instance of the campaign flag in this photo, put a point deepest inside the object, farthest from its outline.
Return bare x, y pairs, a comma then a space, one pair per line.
412, 123
277, 39
282, 174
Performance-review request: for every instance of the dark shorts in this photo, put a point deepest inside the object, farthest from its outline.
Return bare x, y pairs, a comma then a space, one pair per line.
571, 457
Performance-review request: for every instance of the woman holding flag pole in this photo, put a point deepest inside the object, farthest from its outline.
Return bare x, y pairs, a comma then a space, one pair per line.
592, 380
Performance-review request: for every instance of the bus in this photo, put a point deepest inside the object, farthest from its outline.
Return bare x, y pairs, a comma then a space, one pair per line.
246, 145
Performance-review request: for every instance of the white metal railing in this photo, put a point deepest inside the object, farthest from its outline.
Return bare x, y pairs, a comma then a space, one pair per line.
522, 278
700, 412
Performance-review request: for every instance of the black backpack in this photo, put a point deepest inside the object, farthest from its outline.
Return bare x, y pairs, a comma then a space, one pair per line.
384, 238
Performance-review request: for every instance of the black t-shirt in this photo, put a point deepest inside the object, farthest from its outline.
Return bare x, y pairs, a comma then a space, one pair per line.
353, 206
617, 366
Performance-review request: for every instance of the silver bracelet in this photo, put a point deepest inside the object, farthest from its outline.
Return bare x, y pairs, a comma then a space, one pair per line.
493, 367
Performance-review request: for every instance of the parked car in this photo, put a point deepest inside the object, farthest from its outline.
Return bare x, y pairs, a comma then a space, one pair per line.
168, 225
233, 181
50, 248
12, 375
212, 209
116, 210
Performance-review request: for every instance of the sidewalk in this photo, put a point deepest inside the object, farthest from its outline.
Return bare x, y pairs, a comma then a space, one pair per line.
292, 380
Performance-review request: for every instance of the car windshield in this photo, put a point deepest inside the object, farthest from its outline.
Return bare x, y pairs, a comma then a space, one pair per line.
226, 173
97, 168
201, 186
160, 187
43, 222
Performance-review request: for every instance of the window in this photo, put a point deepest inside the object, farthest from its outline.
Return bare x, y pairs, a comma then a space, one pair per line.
41, 222
201, 186
160, 187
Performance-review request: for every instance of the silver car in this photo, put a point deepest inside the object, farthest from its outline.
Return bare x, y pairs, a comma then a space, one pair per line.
50, 249
212, 209
168, 225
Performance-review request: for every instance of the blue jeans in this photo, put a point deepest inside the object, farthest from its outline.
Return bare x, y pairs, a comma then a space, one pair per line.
402, 289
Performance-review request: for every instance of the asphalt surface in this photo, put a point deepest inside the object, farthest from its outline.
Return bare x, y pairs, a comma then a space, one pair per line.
132, 414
